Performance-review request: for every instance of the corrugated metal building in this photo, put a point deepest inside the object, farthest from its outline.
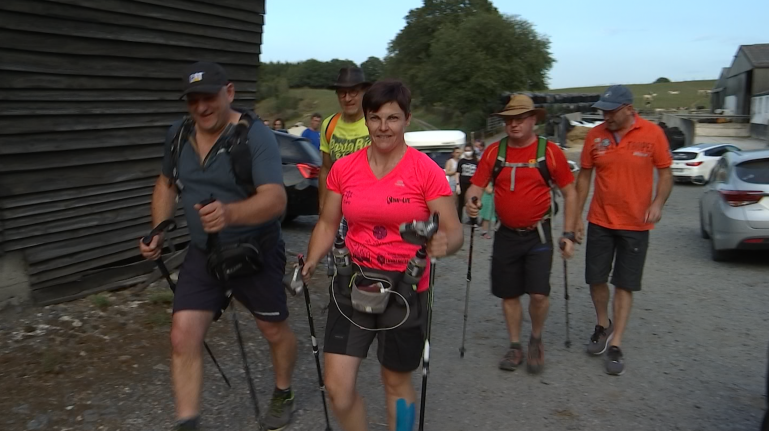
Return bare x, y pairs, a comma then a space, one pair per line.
87, 91
747, 78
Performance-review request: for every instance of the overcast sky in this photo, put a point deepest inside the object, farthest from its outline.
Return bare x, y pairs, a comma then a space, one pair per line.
593, 43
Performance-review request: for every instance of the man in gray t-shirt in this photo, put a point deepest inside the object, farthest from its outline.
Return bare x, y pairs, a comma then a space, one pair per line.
205, 171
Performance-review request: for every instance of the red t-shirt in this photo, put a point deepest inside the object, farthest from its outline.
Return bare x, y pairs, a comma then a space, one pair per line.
375, 208
524, 206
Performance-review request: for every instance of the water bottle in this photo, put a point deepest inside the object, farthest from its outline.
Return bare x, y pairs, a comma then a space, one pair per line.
342, 259
416, 268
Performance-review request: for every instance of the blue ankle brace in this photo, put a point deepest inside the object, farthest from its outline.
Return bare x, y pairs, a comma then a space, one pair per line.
404, 415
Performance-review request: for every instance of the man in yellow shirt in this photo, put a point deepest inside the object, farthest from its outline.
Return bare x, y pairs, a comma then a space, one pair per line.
344, 132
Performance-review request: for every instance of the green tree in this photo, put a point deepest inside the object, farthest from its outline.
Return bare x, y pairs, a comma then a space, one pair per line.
373, 68
473, 62
411, 47
661, 80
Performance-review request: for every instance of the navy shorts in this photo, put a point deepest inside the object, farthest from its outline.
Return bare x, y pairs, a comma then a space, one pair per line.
625, 248
521, 263
262, 294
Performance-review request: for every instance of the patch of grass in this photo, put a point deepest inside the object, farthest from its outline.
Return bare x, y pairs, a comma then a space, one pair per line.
687, 96
101, 301
162, 298
158, 319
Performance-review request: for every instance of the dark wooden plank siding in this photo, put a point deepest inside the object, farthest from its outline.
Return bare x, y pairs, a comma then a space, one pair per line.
88, 89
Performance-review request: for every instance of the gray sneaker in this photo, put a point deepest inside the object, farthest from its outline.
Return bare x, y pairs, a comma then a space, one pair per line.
600, 339
512, 359
279, 414
615, 362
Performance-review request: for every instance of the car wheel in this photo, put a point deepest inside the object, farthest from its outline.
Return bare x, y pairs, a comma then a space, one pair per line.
715, 254
703, 232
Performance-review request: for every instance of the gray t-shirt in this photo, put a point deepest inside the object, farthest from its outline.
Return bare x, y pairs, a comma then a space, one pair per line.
216, 179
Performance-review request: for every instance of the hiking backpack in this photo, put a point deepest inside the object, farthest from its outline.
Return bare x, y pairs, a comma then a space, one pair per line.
236, 146
540, 164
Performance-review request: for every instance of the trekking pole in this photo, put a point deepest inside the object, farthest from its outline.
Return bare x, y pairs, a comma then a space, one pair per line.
426, 353
469, 278
566, 295
245, 361
164, 226
419, 233
293, 285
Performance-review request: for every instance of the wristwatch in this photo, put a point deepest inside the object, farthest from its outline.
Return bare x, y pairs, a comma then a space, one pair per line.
570, 236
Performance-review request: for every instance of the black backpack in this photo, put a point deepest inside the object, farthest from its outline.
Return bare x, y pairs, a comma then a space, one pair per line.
236, 146
540, 165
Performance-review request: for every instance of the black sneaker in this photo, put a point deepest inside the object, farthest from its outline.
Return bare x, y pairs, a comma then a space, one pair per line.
600, 339
279, 414
188, 425
615, 362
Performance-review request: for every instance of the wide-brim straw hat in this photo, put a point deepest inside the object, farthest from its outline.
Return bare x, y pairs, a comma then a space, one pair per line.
520, 104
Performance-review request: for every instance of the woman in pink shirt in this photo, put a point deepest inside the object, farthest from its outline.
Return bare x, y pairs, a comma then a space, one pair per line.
377, 189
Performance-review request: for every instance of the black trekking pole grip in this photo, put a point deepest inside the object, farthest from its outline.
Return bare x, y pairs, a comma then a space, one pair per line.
474, 200
163, 226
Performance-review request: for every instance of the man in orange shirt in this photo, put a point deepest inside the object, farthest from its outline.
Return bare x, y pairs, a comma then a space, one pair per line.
623, 151
524, 168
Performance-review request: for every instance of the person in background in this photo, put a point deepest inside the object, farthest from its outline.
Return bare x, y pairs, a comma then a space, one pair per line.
279, 125
466, 169
451, 169
313, 132
480, 146
488, 213
267, 123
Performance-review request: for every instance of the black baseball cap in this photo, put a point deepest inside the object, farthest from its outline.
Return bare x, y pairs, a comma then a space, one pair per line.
203, 77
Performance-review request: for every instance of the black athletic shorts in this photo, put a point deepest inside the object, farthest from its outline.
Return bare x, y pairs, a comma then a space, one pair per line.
262, 294
398, 349
626, 248
521, 263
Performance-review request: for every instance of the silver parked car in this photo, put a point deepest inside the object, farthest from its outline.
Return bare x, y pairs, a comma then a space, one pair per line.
734, 209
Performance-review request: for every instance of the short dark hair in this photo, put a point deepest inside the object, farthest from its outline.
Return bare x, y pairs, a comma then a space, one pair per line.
279, 119
316, 115
383, 92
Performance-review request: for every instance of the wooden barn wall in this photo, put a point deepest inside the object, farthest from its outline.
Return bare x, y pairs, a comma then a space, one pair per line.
88, 89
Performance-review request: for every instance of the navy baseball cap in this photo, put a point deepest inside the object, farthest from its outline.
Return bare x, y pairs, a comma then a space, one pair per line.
203, 77
614, 97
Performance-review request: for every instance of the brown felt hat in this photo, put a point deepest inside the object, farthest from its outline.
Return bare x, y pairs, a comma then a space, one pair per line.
350, 77
520, 104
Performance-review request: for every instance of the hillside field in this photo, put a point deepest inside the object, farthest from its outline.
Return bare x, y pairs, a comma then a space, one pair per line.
307, 101
687, 97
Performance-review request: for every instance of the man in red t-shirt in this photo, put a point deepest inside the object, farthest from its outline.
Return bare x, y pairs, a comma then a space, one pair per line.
523, 246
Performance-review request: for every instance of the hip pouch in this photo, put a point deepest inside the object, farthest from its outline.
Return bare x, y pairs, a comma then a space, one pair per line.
371, 290
241, 259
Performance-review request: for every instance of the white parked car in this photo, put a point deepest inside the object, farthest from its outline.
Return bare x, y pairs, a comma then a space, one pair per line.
694, 164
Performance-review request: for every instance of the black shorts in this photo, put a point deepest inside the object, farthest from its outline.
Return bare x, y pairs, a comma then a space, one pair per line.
626, 248
398, 349
262, 294
521, 263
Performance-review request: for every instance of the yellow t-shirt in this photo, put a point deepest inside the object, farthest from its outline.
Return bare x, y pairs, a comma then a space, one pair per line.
346, 139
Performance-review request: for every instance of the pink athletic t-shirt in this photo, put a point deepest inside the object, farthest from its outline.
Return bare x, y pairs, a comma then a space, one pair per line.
375, 208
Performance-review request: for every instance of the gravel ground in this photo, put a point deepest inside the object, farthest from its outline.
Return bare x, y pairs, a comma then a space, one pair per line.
695, 352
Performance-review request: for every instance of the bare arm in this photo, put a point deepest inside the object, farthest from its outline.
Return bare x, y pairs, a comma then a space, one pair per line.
323, 234
324, 169
163, 208
664, 186
449, 225
570, 207
268, 203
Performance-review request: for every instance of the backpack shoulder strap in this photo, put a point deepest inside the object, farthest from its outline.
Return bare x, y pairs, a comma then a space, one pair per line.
180, 138
544, 170
331, 126
501, 159
240, 153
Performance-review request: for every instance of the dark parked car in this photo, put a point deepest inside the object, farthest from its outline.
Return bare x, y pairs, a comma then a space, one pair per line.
301, 166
